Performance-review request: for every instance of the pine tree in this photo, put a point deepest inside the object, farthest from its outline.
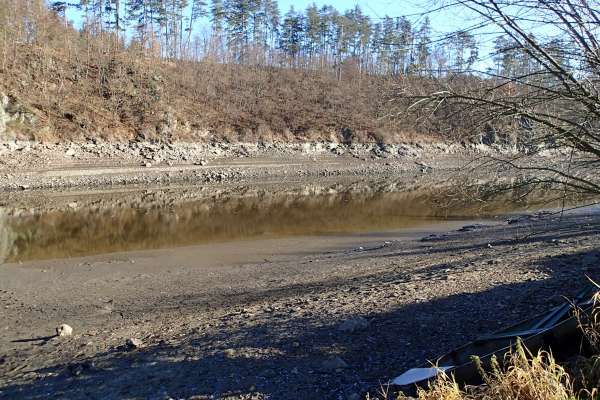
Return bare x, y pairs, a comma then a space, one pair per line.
375, 48
272, 22
465, 50
423, 40
114, 18
389, 44
291, 35
138, 14
312, 31
238, 27
217, 12
504, 57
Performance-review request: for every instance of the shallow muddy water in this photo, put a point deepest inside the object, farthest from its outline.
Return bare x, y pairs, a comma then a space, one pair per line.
72, 226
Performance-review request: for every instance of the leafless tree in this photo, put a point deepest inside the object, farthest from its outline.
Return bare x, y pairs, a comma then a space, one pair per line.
552, 106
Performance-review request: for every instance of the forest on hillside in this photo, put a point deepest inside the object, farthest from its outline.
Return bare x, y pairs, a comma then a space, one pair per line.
233, 70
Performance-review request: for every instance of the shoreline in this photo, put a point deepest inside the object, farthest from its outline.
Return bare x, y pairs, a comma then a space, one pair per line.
33, 166
271, 325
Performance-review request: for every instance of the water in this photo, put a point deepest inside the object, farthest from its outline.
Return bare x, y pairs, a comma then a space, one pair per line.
71, 226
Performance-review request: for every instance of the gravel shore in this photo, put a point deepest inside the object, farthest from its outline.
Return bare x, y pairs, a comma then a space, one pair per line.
298, 317
28, 166
328, 324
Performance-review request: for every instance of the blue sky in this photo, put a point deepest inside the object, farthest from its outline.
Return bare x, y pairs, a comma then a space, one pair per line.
442, 22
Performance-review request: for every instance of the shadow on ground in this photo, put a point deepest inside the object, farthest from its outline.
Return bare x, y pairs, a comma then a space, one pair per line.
291, 358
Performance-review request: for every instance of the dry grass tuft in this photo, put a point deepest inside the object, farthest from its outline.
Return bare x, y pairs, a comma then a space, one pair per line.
528, 377
444, 388
523, 377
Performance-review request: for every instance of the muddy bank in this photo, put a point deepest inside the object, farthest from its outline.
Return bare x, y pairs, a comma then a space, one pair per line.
274, 325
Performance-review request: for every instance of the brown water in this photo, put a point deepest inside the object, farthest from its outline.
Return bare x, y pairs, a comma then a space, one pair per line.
87, 225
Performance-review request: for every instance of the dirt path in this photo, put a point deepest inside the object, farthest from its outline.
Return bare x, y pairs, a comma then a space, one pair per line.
272, 325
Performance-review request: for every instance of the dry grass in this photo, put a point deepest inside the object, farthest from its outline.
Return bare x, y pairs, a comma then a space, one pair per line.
524, 376
528, 377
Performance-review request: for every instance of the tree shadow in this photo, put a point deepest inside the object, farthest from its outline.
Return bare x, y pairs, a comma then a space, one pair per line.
290, 357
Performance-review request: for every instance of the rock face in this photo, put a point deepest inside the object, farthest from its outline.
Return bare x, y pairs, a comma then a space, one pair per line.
13, 115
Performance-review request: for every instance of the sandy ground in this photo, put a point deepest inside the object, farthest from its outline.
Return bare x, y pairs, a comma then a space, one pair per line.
273, 323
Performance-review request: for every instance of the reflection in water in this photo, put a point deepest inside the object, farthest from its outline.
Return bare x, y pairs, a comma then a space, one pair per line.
163, 219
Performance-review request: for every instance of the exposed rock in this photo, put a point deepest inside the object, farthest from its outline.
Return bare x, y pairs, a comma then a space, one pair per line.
229, 353
64, 330
13, 113
133, 343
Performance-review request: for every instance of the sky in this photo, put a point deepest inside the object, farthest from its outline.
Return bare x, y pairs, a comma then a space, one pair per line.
442, 22
445, 21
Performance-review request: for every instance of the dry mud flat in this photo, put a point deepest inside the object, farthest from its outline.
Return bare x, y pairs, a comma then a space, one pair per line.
329, 324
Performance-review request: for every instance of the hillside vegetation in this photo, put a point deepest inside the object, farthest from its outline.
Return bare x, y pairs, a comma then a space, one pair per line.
143, 69
119, 96
62, 83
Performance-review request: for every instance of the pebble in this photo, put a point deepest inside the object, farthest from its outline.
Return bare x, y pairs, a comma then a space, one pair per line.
64, 330
229, 353
133, 343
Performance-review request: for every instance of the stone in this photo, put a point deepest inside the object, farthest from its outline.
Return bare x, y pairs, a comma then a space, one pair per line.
64, 330
70, 153
148, 165
353, 325
471, 228
334, 363
133, 343
229, 353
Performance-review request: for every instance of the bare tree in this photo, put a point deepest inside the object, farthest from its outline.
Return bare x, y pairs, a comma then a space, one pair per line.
552, 106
